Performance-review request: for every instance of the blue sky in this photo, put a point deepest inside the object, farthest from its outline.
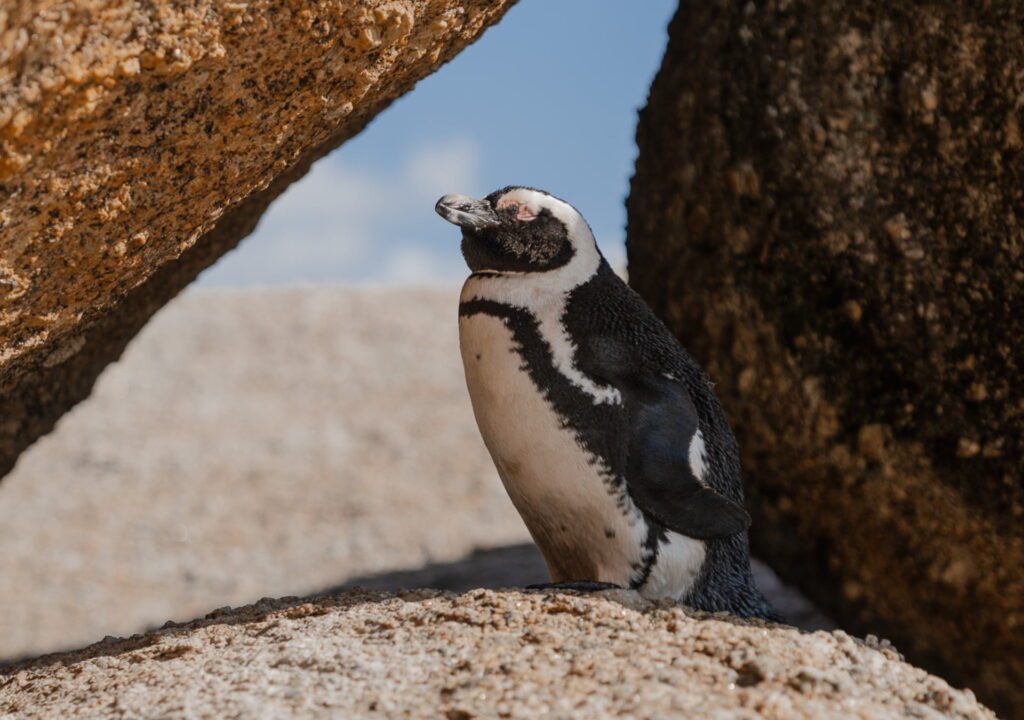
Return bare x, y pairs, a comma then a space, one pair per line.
546, 98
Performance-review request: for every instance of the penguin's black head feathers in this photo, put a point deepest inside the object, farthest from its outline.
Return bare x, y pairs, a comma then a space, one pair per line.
517, 230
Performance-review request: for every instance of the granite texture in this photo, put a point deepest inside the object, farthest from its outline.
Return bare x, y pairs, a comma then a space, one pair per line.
264, 442
141, 140
482, 654
827, 210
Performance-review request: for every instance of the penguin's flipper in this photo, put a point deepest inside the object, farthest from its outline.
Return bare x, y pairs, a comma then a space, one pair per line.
702, 514
666, 463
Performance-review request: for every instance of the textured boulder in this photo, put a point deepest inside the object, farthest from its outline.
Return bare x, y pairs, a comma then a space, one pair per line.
482, 654
172, 489
827, 209
139, 141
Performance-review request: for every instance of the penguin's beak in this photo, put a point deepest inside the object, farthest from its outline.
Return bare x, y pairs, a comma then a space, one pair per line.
467, 212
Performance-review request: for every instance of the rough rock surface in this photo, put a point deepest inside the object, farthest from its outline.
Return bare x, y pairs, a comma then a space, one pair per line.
215, 464
827, 209
483, 654
141, 140
249, 444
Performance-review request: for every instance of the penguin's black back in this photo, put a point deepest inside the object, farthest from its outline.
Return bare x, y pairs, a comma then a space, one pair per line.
605, 307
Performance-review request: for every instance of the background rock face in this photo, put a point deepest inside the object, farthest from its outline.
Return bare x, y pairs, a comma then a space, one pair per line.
483, 654
139, 141
827, 209
250, 444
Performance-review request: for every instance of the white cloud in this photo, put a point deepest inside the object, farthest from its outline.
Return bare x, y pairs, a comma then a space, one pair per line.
414, 265
436, 170
344, 223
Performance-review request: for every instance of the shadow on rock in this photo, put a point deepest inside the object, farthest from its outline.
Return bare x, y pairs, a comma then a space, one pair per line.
511, 566
516, 566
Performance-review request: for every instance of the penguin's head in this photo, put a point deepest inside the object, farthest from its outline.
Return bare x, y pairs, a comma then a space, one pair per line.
518, 230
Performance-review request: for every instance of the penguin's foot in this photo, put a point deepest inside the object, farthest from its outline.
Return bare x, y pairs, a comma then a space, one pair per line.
583, 586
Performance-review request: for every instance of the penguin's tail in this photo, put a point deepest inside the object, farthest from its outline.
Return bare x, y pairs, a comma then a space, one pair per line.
752, 604
766, 612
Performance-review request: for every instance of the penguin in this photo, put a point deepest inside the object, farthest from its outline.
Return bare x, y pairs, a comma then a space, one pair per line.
605, 432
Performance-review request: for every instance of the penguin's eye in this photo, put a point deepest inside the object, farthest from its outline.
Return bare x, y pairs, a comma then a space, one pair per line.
520, 211
524, 213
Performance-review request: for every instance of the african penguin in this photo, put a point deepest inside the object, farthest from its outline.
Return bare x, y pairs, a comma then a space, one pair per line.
606, 434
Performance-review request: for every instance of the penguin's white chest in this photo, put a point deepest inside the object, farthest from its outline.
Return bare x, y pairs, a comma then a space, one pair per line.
555, 484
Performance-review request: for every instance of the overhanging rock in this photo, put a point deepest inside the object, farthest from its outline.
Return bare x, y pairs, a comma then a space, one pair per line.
140, 141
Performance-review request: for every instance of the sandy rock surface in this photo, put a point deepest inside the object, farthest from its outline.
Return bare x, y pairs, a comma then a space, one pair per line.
263, 443
141, 140
482, 654
250, 444
827, 209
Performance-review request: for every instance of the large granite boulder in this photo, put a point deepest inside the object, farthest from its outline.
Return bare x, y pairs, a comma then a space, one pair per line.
482, 654
827, 209
141, 140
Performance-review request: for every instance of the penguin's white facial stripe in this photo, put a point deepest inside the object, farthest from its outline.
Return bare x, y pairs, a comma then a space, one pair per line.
698, 455
584, 263
534, 201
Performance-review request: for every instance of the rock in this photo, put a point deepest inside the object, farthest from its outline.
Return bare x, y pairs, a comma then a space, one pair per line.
176, 487
827, 210
139, 141
481, 654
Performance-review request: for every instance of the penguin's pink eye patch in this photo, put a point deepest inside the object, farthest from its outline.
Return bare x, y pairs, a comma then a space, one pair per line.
523, 212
